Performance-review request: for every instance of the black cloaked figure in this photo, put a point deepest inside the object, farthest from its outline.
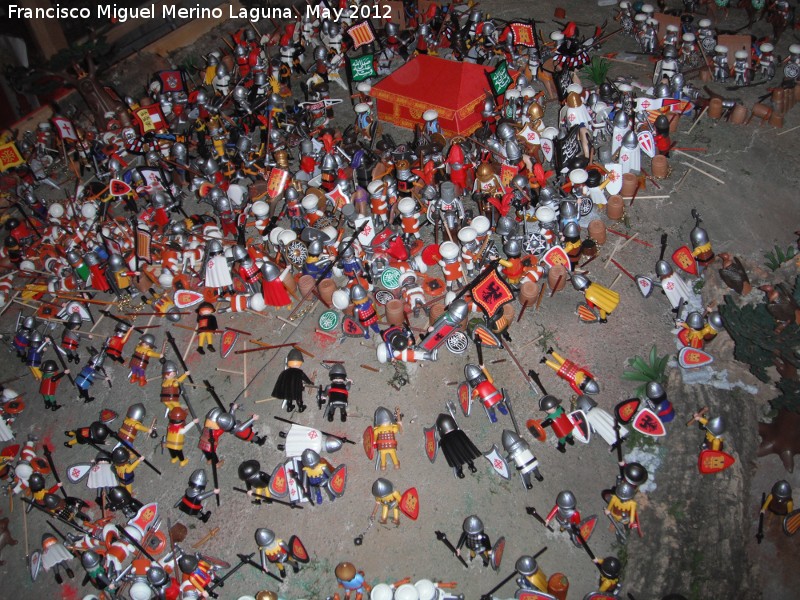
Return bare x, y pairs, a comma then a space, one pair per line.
457, 448
291, 382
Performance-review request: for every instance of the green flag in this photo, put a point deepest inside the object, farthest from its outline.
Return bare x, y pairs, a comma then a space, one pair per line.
500, 79
361, 68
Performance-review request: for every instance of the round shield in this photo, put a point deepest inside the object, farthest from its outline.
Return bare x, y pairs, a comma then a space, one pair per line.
791, 523
390, 278
536, 429
791, 71
14, 407
382, 297
40, 465
430, 255
457, 342
328, 320
586, 206
432, 286
708, 43
296, 253
107, 415
497, 553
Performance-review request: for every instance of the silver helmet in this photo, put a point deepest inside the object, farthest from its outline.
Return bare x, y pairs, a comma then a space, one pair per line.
239, 253
309, 458
115, 261
548, 402
663, 90
663, 269
621, 119
264, 536
382, 487
715, 320
226, 421
148, 339
198, 479
699, 237
716, 426
357, 292
572, 229
270, 271
382, 416
630, 140
90, 559
585, 403
137, 412
472, 525
580, 282
168, 367
505, 226
526, 565
473, 373
458, 310
566, 500
655, 391
512, 442
695, 320
634, 473
505, 131
157, 576
512, 248
625, 491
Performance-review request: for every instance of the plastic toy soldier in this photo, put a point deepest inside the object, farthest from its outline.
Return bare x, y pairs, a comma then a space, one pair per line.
291, 382
458, 449
558, 418
141, 358
198, 574
336, 393
101, 476
387, 498
579, 378
256, 480
132, 424
35, 354
779, 501
175, 437
520, 454
351, 580
482, 386
275, 551
532, 577
85, 379
71, 338
315, 476
216, 423
566, 514
714, 429
622, 506
384, 437
610, 569
192, 501
171, 384
55, 557
36, 484
364, 309
116, 343
93, 563
475, 539
124, 468
96, 433
49, 384
206, 327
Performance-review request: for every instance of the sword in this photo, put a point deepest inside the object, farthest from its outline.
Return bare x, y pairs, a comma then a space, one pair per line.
336, 437
257, 566
619, 528
269, 499
507, 402
221, 581
535, 377
532, 512
49, 456
488, 595
760, 534
442, 537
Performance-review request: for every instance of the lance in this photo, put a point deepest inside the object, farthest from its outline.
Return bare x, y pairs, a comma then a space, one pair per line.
59, 517
535, 377
532, 512
329, 268
442, 537
221, 581
269, 499
214, 473
61, 360
263, 348
336, 437
488, 595
134, 451
172, 547
213, 392
511, 355
760, 534
135, 543
49, 456
258, 567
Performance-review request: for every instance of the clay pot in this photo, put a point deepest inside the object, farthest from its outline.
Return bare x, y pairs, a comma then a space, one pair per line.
528, 292
615, 207
778, 95
660, 166
797, 92
739, 114
289, 282
306, 284
326, 289
776, 120
395, 313
760, 111
630, 183
558, 586
229, 63
557, 278
597, 231
715, 108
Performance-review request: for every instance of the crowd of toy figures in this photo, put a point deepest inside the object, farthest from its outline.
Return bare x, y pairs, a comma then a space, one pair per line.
295, 211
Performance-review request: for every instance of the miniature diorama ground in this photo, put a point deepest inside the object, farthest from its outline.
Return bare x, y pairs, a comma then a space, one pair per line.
698, 531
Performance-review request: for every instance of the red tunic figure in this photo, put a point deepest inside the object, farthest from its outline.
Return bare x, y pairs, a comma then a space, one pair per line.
580, 379
484, 389
49, 384
451, 265
206, 327
98, 275
272, 288
116, 343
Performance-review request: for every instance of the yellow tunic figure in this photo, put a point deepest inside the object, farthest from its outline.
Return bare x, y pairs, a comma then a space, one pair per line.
610, 569
176, 434
125, 473
274, 550
714, 429
384, 432
531, 576
171, 385
622, 506
596, 295
387, 498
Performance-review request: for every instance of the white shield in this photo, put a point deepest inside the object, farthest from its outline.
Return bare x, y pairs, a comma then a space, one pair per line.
547, 149
614, 178
368, 233
78, 472
645, 104
646, 142
645, 285
530, 136
498, 463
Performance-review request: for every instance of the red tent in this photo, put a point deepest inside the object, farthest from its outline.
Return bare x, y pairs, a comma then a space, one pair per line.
456, 90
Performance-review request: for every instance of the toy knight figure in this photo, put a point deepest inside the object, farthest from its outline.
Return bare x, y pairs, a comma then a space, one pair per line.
720, 60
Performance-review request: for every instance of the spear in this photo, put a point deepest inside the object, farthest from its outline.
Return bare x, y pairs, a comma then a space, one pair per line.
214, 395
243, 560
269, 499
134, 451
442, 537
535, 377
488, 595
577, 532
214, 466
258, 567
532, 512
49, 456
134, 542
61, 360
